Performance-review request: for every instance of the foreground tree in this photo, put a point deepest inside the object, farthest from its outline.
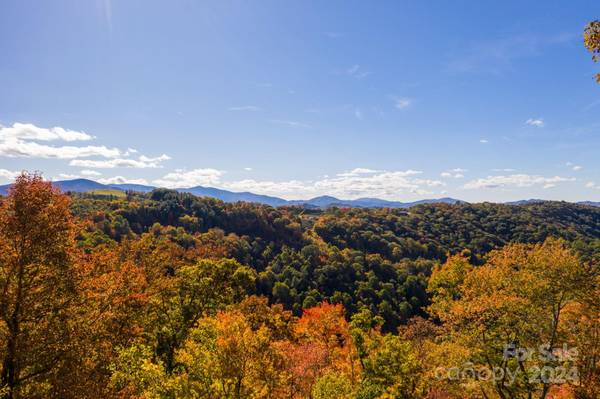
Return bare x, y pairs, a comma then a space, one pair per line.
591, 39
511, 313
37, 285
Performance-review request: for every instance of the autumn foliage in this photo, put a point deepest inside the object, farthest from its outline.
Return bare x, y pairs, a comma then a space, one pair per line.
93, 308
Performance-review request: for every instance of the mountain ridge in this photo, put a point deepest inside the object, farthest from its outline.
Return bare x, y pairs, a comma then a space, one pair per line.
324, 201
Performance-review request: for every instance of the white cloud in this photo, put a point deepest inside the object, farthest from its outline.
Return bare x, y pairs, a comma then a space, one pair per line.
516, 180
160, 158
539, 122
245, 108
68, 176
182, 178
383, 185
362, 183
28, 131
401, 102
27, 149
87, 172
22, 141
247, 169
359, 171
483, 141
142, 162
359, 182
363, 171
573, 166
593, 185
429, 182
455, 173
122, 180
9, 175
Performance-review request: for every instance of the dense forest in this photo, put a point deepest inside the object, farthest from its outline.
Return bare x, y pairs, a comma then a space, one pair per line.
168, 295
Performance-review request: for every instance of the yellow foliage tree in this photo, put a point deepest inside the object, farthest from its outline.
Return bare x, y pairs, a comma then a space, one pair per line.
591, 39
516, 301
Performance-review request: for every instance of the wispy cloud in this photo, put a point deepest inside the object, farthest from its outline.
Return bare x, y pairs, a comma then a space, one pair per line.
245, 108
537, 122
367, 171
106, 9
455, 173
483, 141
333, 35
574, 167
504, 170
401, 102
516, 181
68, 176
87, 172
290, 123
357, 72
591, 105
499, 55
122, 180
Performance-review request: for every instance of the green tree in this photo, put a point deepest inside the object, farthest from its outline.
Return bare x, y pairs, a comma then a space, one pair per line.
194, 291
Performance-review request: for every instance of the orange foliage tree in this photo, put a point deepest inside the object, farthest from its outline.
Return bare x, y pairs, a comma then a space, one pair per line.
37, 284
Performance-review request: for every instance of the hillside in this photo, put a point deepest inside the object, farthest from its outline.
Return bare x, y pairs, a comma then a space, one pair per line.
305, 256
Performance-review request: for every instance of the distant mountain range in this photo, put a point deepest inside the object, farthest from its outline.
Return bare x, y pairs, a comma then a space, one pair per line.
85, 185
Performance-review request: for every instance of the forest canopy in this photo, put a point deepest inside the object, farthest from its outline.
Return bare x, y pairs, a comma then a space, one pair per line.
167, 295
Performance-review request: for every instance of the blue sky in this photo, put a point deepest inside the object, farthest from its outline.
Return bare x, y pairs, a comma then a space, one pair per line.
478, 100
